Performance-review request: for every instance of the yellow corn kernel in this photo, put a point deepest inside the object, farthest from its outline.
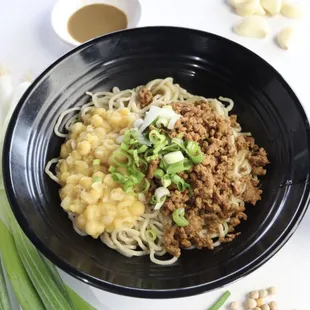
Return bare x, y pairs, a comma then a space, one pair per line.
100, 111
96, 120
107, 220
63, 177
124, 111
137, 208
77, 128
65, 203
81, 167
63, 166
117, 194
86, 182
73, 179
64, 152
93, 140
91, 197
81, 222
77, 207
115, 120
108, 180
83, 147
75, 155
67, 190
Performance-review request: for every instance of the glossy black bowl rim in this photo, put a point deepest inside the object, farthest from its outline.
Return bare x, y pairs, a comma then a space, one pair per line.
131, 291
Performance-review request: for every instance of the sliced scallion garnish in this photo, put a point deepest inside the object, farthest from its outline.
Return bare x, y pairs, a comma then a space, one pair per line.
178, 217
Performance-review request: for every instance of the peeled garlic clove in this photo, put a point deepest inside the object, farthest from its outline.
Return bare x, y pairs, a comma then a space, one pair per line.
284, 37
236, 3
252, 26
292, 10
249, 8
273, 7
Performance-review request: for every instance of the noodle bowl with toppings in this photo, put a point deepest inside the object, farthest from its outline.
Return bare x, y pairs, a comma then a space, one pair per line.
154, 169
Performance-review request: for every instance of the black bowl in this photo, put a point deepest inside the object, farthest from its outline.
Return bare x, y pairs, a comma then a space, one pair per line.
204, 64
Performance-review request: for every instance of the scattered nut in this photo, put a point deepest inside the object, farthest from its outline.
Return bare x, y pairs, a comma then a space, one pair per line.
263, 293
284, 37
273, 7
272, 290
292, 10
259, 302
254, 294
265, 307
251, 303
233, 305
252, 26
273, 305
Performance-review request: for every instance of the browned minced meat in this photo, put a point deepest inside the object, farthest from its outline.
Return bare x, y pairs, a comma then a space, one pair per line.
151, 169
213, 181
145, 97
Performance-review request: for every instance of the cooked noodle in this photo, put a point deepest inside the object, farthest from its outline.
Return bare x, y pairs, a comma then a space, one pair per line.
135, 241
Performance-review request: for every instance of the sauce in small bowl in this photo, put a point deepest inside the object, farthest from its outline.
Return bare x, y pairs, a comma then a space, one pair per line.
78, 21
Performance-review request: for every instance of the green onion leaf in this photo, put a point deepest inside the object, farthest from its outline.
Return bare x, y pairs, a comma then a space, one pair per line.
151, 234
22, 286
221, 301
146, 186
5, 303
96, 162
178, 217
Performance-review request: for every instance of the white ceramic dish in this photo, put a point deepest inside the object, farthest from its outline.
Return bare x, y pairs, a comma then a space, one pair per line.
64, 9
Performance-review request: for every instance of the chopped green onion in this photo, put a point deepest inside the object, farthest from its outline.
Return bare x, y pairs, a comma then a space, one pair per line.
96, 162
194, 152
180, 166
151, 234
178, 217
158, 173
160, 193
153, 200
221, 301
124, 155
156, 138
97, 179
166, 180
162, 121
142, 149
180, 183
173, 157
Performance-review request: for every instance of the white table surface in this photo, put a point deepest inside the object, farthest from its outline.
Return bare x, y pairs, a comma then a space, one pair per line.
28, 44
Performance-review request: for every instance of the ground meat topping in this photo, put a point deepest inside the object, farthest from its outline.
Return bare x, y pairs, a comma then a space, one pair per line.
145, 97
215, 181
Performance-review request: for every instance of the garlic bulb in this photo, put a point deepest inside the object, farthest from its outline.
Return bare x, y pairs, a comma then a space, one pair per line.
284, 37
273, 7
252, 26
291, 10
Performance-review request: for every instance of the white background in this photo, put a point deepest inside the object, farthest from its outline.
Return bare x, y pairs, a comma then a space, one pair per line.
28, 44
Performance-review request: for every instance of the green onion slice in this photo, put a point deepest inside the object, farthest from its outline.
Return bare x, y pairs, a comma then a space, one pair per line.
97, 179
151, 234
194, 152
178, 217
173, 157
